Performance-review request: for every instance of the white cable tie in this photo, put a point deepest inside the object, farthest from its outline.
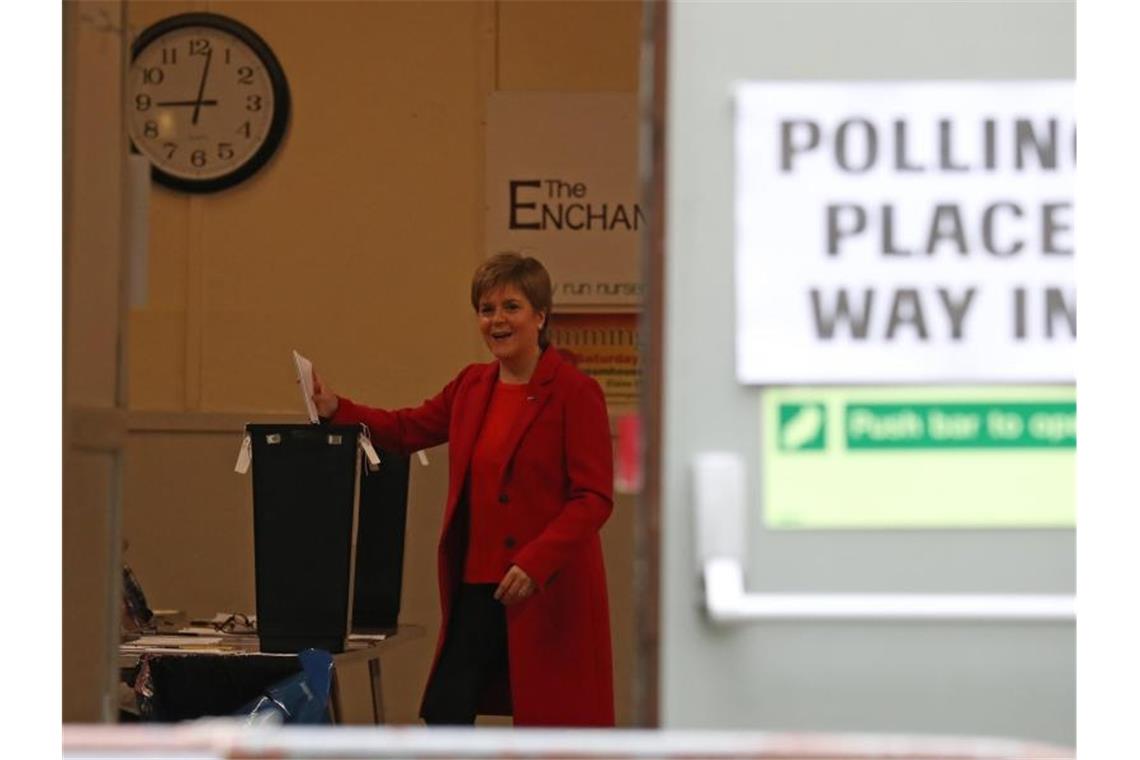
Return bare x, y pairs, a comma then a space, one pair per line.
245, 455
369, 451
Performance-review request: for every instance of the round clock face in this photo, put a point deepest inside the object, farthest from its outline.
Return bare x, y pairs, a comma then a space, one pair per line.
207, 101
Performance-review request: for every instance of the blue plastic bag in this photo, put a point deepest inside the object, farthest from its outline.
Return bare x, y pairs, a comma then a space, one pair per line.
302, 699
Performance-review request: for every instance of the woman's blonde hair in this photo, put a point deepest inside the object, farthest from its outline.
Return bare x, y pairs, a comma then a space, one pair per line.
523, 272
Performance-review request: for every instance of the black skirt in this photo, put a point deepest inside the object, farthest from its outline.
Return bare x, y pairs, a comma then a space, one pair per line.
473, 659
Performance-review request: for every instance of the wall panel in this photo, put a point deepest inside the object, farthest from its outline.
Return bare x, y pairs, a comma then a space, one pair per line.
569, 46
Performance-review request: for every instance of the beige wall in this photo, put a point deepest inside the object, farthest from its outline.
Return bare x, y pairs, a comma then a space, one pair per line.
355, 246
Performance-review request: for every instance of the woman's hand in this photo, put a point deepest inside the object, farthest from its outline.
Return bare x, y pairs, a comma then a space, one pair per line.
324, 399
515, 586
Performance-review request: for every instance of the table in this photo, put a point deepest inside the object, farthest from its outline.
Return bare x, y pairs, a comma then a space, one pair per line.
365, 645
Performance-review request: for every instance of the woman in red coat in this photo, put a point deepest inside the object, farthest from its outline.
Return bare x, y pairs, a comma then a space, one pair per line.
525, 626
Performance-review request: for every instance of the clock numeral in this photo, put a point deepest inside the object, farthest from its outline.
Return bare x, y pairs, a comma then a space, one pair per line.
245, 75
153, 75
253, 103
169, 56
198, 158
243, 129
227, 55
225, 151
142, 102
170, 148
200, 47
150, 129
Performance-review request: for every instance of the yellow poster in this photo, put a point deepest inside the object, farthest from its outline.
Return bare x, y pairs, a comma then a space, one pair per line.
605, 347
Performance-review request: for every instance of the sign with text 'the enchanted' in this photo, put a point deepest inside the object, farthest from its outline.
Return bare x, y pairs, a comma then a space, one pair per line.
562, 186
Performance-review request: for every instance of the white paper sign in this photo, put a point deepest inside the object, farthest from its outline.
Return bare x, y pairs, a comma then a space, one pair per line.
562, 186
905, 232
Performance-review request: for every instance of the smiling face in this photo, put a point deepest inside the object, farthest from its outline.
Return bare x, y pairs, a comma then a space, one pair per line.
509, 324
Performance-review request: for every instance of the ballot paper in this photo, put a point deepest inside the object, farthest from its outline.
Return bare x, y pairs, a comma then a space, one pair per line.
305, 380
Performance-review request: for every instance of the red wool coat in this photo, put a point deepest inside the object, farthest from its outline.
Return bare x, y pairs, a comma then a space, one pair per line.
556, 490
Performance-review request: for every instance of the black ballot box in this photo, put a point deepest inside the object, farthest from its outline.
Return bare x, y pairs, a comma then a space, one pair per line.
380, 543
304, 524
328, 536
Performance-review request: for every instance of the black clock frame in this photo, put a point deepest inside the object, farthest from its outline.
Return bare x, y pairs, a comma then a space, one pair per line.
281, 101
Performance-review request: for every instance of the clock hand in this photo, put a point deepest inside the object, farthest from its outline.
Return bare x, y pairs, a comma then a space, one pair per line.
202, 87
187, 103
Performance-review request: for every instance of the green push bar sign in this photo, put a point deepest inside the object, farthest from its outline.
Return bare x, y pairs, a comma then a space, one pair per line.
907, 457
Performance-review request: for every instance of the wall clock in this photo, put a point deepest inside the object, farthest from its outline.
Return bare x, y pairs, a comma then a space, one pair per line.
207, 101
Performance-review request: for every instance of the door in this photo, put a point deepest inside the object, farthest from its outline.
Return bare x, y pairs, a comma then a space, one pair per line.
994, 651
95, 219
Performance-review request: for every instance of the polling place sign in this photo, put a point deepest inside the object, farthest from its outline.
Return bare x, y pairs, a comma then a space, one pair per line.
905, 232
